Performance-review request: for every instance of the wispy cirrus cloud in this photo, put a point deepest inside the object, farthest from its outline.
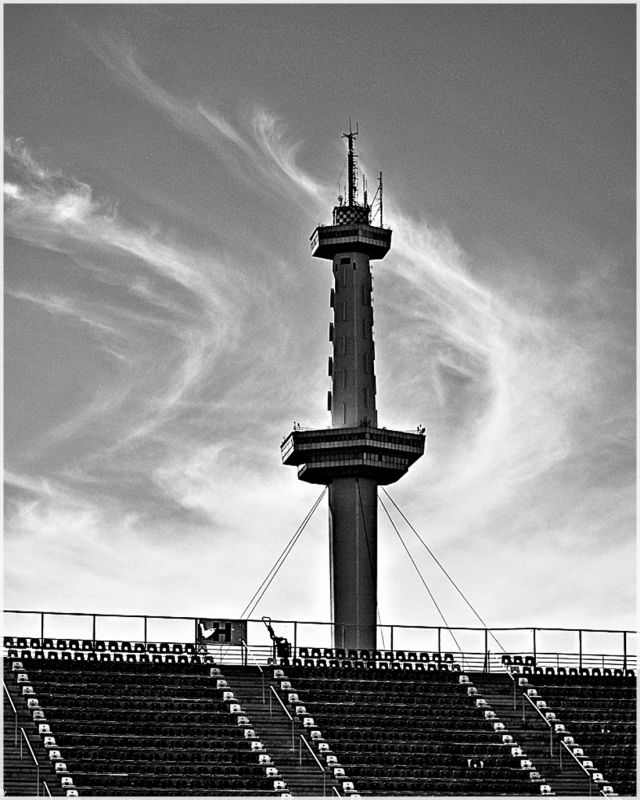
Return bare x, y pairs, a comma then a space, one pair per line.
149, 291
263, 154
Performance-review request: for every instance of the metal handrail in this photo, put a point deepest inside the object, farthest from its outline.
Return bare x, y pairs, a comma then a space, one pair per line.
15, 713
33, 756
548, 722
536, 709
335, 791
317, 760
513, 681
286, 711
310, 749
45, 786
279, 699
249, 655
578, 762
481, 660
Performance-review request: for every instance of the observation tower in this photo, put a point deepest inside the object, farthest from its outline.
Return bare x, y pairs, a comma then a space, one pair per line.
354, 456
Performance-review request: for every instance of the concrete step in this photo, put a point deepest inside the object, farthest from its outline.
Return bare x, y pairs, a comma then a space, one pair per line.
19, 771
281, 738
533, 735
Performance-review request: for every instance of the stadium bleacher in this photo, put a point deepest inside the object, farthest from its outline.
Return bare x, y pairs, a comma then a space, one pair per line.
116, 717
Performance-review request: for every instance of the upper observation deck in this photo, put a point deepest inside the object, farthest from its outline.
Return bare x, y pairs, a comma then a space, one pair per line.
329, 240
365, 452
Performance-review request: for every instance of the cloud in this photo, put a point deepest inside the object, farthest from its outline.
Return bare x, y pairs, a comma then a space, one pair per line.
161, 287
263, 155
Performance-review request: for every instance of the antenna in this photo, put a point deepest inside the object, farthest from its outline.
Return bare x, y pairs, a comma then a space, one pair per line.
364, 189
352, 162
380, 190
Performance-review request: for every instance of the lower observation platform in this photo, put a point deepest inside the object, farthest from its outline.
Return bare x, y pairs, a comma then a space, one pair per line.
364, 452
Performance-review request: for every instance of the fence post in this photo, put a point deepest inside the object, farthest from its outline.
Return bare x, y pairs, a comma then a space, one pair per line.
93, 628
391, 639
624, 650
487, 667
439, 641
42, 627
580, 650
535, 651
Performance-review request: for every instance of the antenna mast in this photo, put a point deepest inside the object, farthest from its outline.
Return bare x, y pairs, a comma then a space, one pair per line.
352, 163
380, 190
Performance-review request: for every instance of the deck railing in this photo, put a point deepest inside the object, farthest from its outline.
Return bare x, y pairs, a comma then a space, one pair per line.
481, 649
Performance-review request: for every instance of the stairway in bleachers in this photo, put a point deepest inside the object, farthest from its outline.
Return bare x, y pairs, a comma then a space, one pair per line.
532, 734
295, 764
20, 774
600, 713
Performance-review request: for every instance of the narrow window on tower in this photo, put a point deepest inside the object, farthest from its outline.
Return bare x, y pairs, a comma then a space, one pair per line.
344, 276
364, 328
331, 331
344, 310
365, 392
344, 345
330, 368
332, 298
344, 378
344, 414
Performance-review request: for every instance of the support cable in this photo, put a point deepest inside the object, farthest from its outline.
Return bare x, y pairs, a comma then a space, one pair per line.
424, 583
259, 593
453, 583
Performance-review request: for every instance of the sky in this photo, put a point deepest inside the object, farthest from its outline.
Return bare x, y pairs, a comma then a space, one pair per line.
165, 323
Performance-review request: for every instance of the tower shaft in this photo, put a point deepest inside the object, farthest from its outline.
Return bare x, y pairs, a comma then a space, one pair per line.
353, 532
353, 373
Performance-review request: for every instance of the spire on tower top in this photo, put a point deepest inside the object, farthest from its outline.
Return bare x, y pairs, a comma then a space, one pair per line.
352, 164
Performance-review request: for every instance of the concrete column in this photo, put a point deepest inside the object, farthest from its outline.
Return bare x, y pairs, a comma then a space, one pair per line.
354, 382
354, 557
